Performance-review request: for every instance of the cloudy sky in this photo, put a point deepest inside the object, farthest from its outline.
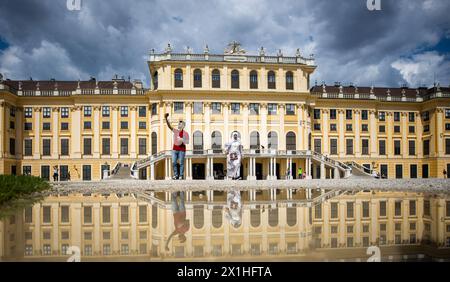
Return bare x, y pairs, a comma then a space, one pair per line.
408, 41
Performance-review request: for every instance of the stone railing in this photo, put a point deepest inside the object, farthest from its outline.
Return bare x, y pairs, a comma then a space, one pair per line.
368, 96
237, 58
95, 91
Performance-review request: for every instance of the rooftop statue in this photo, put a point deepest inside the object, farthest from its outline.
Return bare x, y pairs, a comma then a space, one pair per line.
234, 48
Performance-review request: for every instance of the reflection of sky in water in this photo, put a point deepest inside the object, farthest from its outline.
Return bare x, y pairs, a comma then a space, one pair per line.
321, 226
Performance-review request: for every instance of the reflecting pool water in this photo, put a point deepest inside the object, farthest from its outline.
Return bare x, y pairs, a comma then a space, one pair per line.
272, 225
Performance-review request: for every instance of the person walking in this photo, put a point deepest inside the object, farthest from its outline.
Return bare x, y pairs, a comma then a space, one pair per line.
55, 173
445, 173
180, 140
300, 173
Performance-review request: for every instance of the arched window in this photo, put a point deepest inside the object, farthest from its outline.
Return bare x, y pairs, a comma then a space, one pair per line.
271, 80
199, 217
291, 144
289, 80
273, 140
254, 140
154, 143
273, 217
216, 141
255, 217
215, 78
217, 217
197, 78
178, 76
198, 142
155, 80
253, 79
291, 216
235, 79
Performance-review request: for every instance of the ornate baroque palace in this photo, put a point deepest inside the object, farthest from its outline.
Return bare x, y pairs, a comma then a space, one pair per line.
94, 129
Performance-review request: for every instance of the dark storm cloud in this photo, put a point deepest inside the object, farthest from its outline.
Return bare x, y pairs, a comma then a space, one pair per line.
388, 47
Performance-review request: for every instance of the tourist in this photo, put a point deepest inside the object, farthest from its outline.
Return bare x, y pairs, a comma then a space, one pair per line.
55, 173
68, 176
288, 173
300, 173
180, 140
233, 150
445, 173
233, 211
179, 218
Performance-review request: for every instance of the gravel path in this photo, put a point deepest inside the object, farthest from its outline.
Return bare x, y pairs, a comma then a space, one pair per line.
123, 186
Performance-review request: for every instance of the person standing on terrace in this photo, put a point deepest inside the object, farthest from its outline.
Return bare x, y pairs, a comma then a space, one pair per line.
180, 140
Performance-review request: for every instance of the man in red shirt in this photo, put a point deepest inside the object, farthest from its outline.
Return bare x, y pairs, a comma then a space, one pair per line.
180, 139
179, 218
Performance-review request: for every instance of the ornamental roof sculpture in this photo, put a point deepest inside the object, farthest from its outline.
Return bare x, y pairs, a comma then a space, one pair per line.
234, 48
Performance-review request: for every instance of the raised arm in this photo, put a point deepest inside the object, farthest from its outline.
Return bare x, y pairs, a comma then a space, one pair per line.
170, 238
167, 122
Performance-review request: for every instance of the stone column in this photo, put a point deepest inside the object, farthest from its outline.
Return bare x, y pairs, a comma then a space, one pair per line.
226, 112
97, 222
373, 134
404, 130
245, 137
37, 134
325, 130
168, 134
440, 150
115, 132
133, 113
207, 133
389, 131
96, 127
188, 119
282, 135
357, 130
341, 129
263, 125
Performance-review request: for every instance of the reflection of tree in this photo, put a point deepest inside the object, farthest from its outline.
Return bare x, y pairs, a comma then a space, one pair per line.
19, 192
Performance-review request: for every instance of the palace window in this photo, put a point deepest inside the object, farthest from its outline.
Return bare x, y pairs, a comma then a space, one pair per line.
87, 146
253, 79
216, 108
333, 114
87, 111
382, 116
333, 146
412, 147
365, 128
364, 115
28, 146
317, 126
178, 107
349, 146
87, 125
254, 109
316, 114
124, 111
106, 147
178, 75
154, 143
155, 80
254, 140
426, 116
106, 110
397, 129
349, 127
333, 127
365, 146
142, 125
28, 126
235, 108
447, 126
271, 80
290, 109
124, 146
412, 129
46, 147
46, 112
272, 109
397, 147
142, 111
64, 112
235, 79
382, 147
447, 146
349, 114
396, 116
383, 208
291, 141
318, 145
426, 147
124, 125
142, 146
28, 112
198, 141
426, 128
447, 113
273, 140
382, 129
411, 117
197, 78
216, 140
106, 125
64, 147
198, 108
154, 109
289, 80
215, 78
46, 126
399, 171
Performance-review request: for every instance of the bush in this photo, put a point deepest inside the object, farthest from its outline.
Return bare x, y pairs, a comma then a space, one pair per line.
16, 190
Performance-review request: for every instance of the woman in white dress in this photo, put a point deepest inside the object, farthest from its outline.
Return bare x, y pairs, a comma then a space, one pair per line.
233, 210
234, 156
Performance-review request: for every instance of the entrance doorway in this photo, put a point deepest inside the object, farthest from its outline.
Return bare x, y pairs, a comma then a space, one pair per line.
294, 170
218, 171
259, 171
198, 171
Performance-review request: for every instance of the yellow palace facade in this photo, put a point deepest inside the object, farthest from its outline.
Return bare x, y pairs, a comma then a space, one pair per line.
90, 129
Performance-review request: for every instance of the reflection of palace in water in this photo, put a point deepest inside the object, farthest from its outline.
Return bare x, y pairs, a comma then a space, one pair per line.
291, 227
